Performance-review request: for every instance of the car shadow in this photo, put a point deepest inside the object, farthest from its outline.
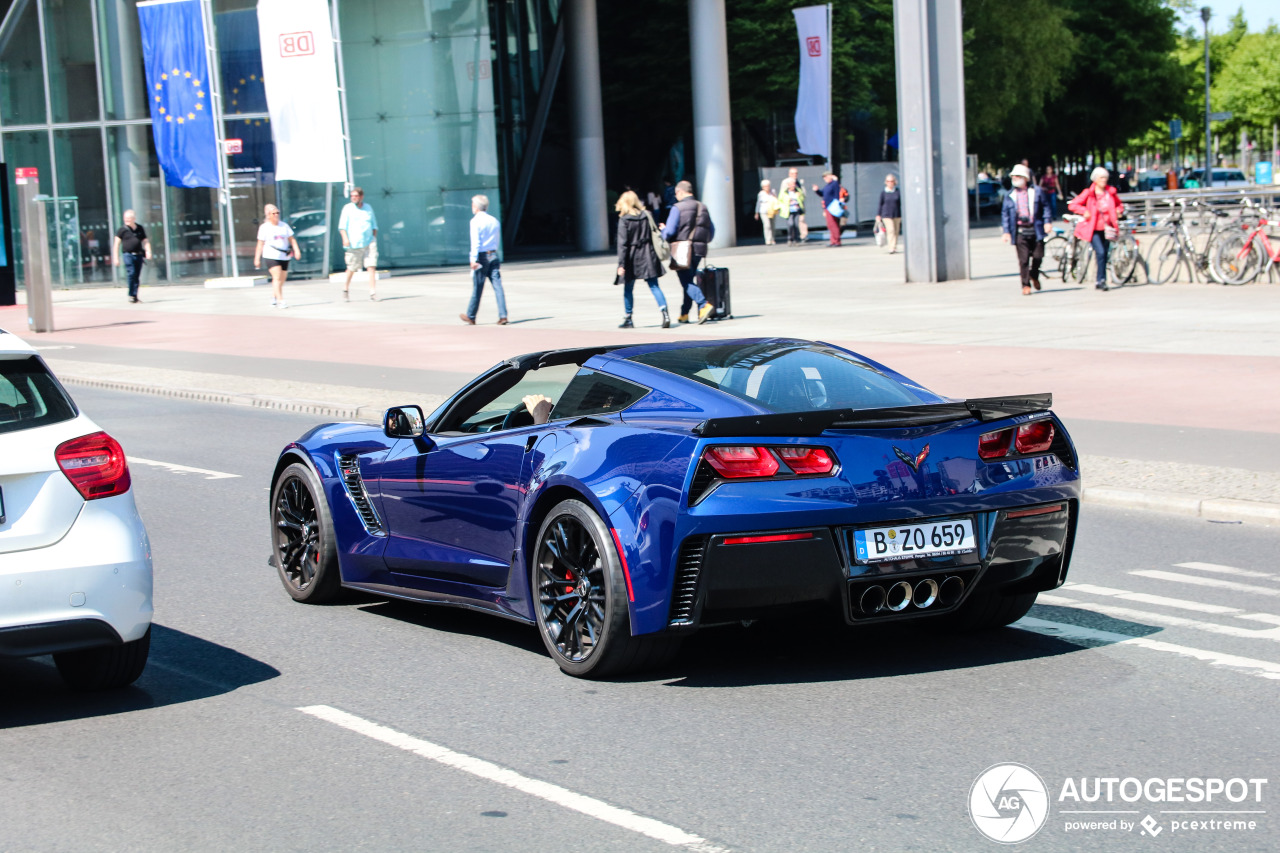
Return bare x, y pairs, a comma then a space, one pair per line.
796, 651
459, 620
181, 668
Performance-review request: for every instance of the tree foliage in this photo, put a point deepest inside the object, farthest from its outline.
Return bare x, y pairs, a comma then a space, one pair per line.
1249, 84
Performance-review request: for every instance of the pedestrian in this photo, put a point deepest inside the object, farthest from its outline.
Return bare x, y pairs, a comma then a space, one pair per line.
791, 209
1049, 184
766, 207
1024, 219
131, 245
486, 234
830, 191
1100, 206
889, 212
690, 221
794, 175
636, 256
277, 245
358, 227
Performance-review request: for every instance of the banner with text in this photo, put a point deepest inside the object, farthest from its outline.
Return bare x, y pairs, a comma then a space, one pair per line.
813, 101
300, 76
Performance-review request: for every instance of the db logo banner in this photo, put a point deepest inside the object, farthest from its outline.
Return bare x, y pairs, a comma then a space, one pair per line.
815, 45
297, 44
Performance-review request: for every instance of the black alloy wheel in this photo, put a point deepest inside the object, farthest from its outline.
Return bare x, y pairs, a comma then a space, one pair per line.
302, 537
581, 598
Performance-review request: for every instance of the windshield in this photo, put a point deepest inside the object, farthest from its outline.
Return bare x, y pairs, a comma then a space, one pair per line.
30, 396
785, 376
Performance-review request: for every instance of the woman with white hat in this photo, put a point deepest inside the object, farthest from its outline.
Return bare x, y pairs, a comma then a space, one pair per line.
1024, 219
1100, 206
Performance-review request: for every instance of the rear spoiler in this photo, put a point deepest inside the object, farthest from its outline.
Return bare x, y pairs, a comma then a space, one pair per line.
816, 423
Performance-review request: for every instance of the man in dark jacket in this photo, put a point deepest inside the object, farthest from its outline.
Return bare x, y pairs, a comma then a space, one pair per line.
689, 220
830, 191
1024, 219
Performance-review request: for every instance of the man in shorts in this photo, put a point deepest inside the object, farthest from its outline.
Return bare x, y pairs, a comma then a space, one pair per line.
359, 229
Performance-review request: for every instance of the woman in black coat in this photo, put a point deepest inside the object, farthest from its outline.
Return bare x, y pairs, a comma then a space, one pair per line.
636, 256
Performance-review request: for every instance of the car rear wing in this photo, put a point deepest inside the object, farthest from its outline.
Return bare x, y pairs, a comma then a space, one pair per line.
815, 423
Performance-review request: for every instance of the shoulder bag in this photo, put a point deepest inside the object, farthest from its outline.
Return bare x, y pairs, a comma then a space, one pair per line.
682, 250
660, 245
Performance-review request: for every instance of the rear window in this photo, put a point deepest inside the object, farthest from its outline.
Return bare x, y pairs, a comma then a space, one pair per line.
592, 393
786, 376
30, 396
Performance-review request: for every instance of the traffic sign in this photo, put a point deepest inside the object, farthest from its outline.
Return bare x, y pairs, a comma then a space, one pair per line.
1262, 174
1221, 116
1175, 128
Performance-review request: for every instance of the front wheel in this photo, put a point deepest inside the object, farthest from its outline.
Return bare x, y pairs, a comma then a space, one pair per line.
1163, 258
581, 593
1081, 261
1122, 263
304, 549
1056, 257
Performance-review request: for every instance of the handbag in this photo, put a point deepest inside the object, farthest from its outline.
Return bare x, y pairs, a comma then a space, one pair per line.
1110, 233
880, 235
836, 208
681, 254
660, 246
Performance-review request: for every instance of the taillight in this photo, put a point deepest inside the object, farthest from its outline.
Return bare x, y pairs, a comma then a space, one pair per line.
95, 465
738, 462
1035, 437
994, 445
807, 460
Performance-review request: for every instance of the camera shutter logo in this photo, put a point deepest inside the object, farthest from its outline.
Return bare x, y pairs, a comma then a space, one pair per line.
1008, 803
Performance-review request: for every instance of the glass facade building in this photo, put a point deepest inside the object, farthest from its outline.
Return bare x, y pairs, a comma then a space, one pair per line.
439, 96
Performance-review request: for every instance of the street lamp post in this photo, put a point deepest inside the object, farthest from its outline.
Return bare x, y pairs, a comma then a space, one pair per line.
1205, 14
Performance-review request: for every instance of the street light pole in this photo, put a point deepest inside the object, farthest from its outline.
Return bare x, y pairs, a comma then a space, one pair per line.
1205, 14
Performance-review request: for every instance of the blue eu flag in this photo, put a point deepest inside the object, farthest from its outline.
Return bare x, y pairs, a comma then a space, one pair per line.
182, 114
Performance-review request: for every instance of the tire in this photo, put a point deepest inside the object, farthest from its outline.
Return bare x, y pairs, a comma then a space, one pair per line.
1081, 262
580, 598
1234, 261
1122, 263
1164, 258
303, 546
105, 668
985, 611
1056, 262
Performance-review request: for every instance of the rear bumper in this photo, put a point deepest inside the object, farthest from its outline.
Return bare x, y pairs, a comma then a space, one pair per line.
721, 579
93, 587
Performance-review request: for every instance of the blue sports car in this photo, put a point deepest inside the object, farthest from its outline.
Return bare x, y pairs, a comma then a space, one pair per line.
621, 497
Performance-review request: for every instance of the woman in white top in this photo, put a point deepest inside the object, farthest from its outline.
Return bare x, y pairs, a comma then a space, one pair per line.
276, 243
766, 206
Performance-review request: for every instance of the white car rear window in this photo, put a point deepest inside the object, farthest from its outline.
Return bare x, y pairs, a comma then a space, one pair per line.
30, 396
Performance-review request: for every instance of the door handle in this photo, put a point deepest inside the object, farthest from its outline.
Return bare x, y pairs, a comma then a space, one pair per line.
529, 442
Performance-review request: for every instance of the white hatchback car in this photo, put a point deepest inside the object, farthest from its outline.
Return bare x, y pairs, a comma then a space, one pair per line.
75, 560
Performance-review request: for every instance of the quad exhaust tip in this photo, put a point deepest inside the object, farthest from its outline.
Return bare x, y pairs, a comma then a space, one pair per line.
901, 595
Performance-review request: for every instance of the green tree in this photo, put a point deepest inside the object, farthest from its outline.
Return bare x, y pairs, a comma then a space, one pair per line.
1249, 84
1016, 52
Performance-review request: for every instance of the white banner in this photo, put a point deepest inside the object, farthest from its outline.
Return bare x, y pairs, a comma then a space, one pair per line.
300, 76
813, 100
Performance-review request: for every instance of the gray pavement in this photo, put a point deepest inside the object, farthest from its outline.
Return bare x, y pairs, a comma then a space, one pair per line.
778, 737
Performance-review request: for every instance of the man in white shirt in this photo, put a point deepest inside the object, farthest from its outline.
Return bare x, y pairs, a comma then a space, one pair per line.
358, 227
486, 235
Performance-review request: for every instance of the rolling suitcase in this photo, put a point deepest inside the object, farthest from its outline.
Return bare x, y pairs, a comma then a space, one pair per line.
715, 286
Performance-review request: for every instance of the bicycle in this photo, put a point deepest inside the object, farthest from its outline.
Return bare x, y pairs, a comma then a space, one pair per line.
1125, 258
1174, 247
1242, 257
1067, 257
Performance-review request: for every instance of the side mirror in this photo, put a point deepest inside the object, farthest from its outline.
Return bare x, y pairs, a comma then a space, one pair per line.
404, 422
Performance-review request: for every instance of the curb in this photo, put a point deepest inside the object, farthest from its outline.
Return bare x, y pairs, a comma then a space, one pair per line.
1208, 507
257, 401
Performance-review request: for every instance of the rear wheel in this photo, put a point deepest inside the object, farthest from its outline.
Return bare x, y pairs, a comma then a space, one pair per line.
1164, 258
105, 668
303, 545
1237, 259
1081, 261
1056, 259
1123, 262
581, 594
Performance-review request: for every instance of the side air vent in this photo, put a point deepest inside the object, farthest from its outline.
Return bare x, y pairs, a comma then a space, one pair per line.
349, 469
684, 592
704, 480
1062, 449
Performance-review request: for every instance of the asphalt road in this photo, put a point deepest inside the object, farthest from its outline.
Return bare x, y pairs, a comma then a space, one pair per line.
777, 737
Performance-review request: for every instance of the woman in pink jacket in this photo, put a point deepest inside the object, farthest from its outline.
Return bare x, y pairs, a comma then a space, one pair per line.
1101, 208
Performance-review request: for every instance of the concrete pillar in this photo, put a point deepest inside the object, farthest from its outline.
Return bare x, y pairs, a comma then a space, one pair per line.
587, 125
931, 139
712, 125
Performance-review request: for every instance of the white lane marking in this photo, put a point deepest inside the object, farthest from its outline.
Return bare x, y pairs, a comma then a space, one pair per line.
174, 468
1145, 598
588, 806
1157, 574
1223, 570
1260, 668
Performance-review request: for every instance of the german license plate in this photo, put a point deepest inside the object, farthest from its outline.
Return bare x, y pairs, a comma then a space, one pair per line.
909, 541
